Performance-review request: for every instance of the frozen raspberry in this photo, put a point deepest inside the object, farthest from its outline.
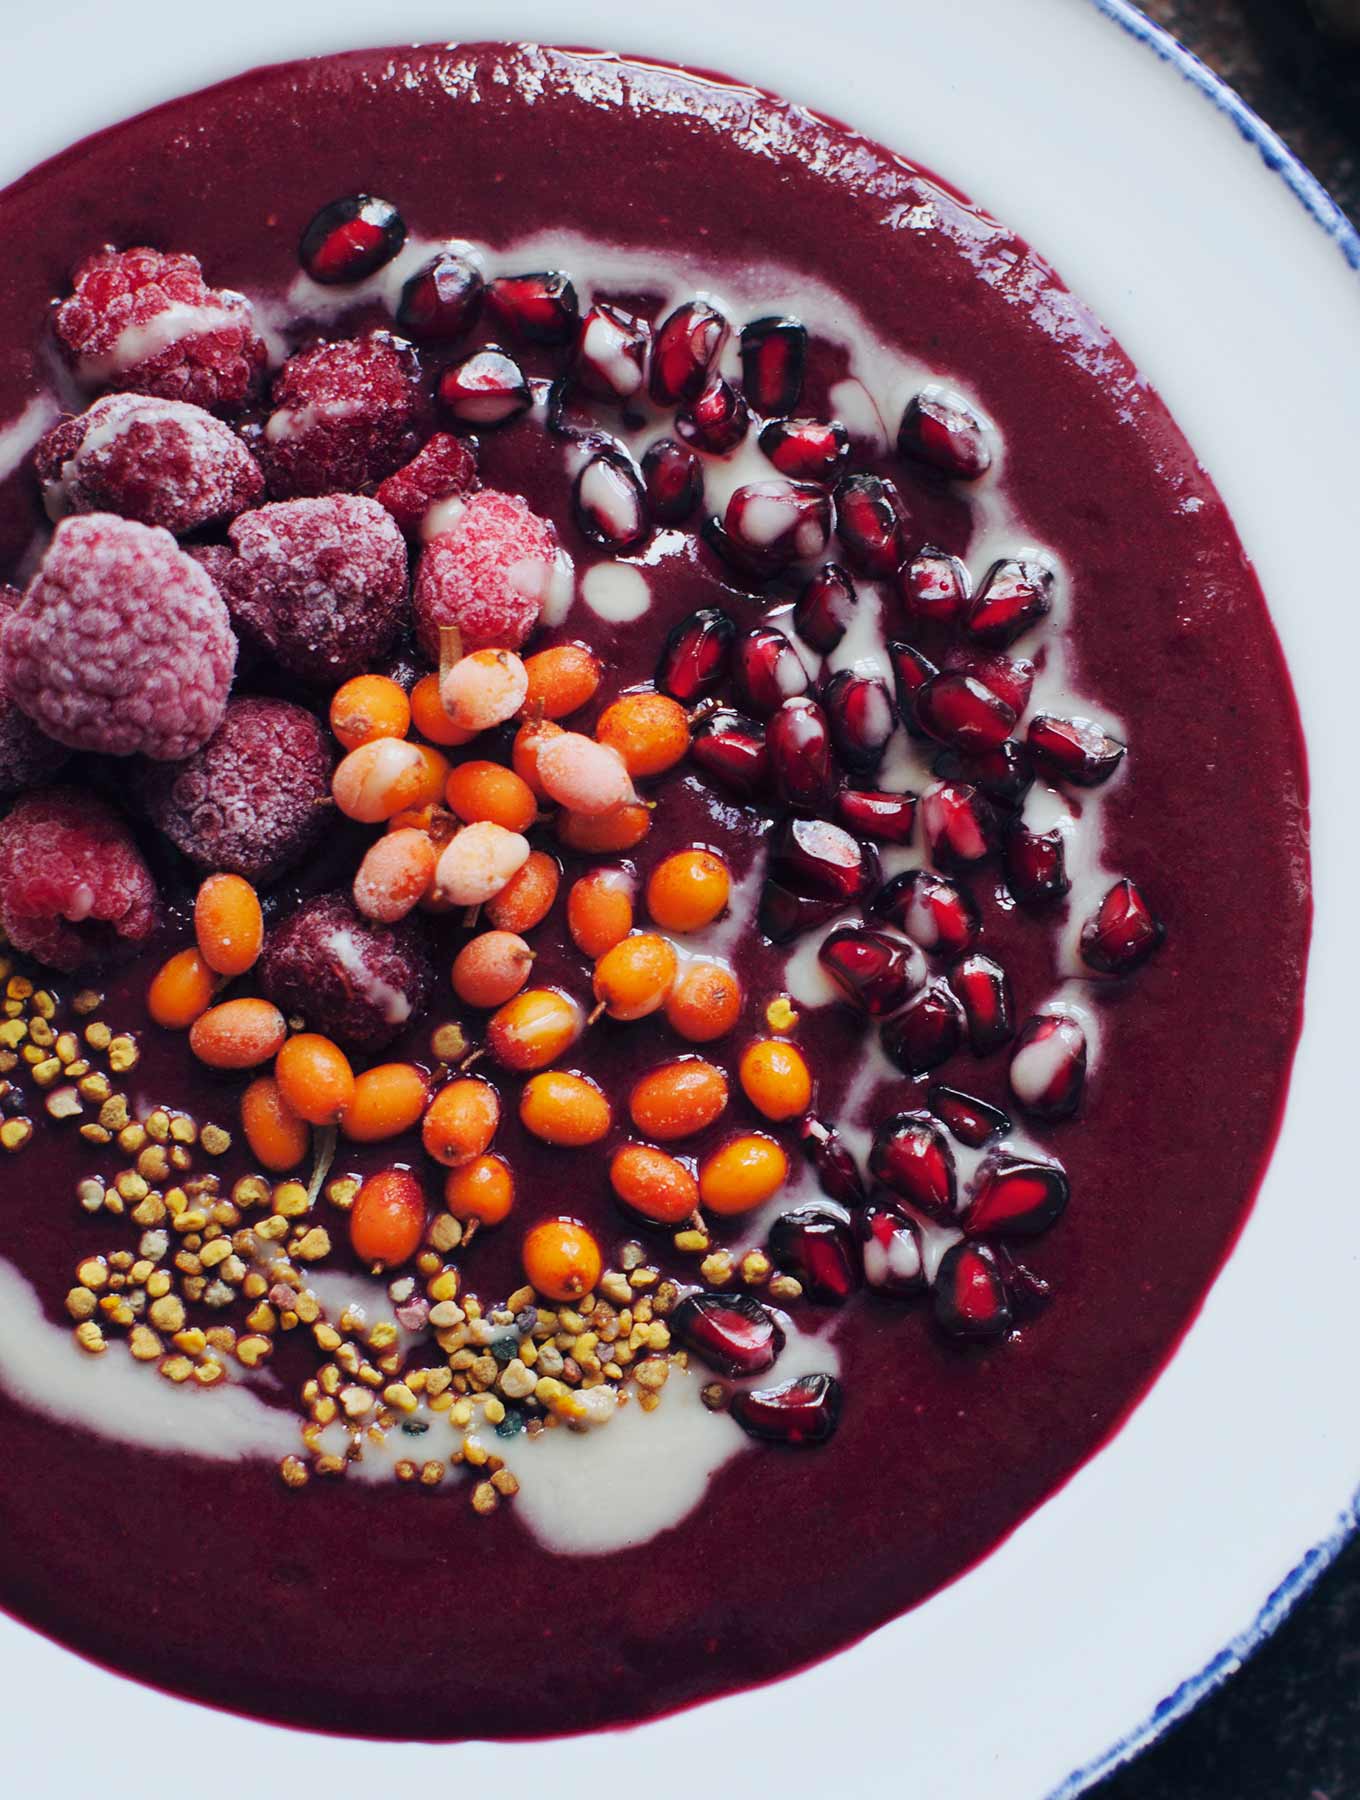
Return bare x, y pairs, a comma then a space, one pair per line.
122, 644
160, 462
489, 574
344, 416
27, 755
147, 322
353, 979
73, 886
319, 584
444, 469
255, 799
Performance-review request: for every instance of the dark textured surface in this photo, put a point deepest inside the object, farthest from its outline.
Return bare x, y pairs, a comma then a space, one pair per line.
1288, 1726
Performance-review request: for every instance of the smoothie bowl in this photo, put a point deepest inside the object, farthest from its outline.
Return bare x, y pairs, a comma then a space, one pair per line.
624, 818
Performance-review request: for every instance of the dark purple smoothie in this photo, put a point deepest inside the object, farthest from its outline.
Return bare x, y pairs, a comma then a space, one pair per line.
349, 1607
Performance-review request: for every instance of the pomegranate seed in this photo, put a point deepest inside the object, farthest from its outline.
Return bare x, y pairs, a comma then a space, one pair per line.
732, 1333
933, 911
611, 352
816, 858
833, 1164
1048, 1065
1029, 1293
767, 670
350, 238
958, 710
890, 1248
942, 431
888, 818
862, 718
717, 420
934, 586
970, 1294
1017, 1198
818, 1246
959, 823
675, 481
970, 1121
984, 991
773, 357
927, 1033
911, 671
541, 308
486, 388
825, 608
1123, 932
440, 303
802, 1412
1014, 595
772, 523
1005, 774
784, 915
1036, 864
568, 416
1076, 749
609, 501
1010, 678
870, 520
695, 655
806, 449
911, 1155
687, 345
877, 971
799, 745
731, 750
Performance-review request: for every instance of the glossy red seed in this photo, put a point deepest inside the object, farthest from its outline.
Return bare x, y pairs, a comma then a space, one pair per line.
862, 718
1076, 749
773, 523
539, 308
732, 1333
609, 501
877, 971
803, 1412
911, 1156
934, 587
767, 670
911, 671
798, 740
960, 825
784, 915
939, 430
1123, 932
351, 238
959, 711
817, 858
485, 389
935, 913
687, 345
970, 1293
887, 818
806, 449
731, 750
1005, 774
611, 352
817, 1245
825, 608
674, 478
1014, 596
773, 358
1048, 1065
890, 1247
440, 303
984, 991
926, 1033
870, 522
1017, 1197
1036, 864
1010, 678
696, 655
716, 420
833, 1163
969, 1121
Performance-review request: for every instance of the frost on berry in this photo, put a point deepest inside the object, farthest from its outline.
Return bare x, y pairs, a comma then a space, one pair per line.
353, 979
344, 416
255, 799
121, 644
73, 886
319, 585
444, 469
489, 573
27, 756
161, 462
147, 322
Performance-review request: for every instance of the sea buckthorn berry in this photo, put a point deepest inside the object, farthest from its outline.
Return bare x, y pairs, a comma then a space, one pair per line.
487, 790
483, 689
368, 707
461, 1120
387, 1219
600, 910
607, 834
705, 1003
491, 968
388, 1099
688, 890
228, 924
395, 875
315, 1078
679, 1098
564, 1109
775, 1078
745, 1172
529, 740
378, 779
561, 680
430, 719
278, 1138
633, 978
238, 1034
649, 731
656, 1185
181, 990
585, 777
561, 1259
429, 785
475, 865
483, 1189
527, 898
534, 1029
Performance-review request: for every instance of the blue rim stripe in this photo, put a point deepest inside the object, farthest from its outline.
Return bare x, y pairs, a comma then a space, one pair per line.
1324, 211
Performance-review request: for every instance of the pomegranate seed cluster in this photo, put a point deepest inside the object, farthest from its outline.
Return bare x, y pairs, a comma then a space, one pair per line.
435, 788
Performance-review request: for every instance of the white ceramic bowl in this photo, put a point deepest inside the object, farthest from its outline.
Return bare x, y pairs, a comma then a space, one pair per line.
1232, 281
